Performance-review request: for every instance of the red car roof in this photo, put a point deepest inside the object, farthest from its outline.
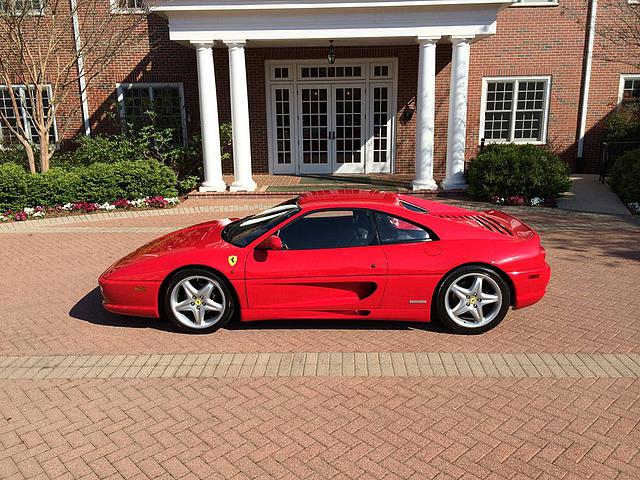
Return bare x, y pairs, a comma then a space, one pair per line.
331, 197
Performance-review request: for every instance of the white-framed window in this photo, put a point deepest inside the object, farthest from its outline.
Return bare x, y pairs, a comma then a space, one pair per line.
18, 7
127, 6
23, 95
629, 89
160, 104
515, 109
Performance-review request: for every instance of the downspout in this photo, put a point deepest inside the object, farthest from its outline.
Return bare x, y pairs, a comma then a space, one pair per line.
585, 84
84, 101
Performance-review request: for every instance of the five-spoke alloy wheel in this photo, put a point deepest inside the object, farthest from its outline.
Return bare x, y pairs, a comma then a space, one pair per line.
196, 300
472, 299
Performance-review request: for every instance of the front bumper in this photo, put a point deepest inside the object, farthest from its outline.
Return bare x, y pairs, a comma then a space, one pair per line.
530, 286
138, 298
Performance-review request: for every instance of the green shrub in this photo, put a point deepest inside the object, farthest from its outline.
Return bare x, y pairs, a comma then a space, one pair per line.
624, 176
102, 149
624, 123
98, 182
508, 169
14, 186
14, 154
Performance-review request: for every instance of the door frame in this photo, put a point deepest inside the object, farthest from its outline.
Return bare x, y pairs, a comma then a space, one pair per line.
294, 80
312, 168
364, 130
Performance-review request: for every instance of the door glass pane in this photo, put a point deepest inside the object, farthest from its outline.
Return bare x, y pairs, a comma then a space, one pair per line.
314, 125
348, 124
282, 112
329, 229
380, 123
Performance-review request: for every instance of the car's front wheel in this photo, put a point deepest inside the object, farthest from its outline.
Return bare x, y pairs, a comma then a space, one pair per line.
198, 301
472, 299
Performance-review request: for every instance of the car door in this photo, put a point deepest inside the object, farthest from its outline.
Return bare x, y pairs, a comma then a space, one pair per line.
413, 263
330, 264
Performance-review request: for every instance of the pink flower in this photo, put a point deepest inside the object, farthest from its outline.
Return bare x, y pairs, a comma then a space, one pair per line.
156, 202
515, 200
20, 216
122, 203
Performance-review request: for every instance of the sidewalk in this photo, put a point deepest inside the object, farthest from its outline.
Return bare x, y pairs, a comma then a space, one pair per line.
589, 195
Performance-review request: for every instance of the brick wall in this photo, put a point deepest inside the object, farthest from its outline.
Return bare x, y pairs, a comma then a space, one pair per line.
529, 41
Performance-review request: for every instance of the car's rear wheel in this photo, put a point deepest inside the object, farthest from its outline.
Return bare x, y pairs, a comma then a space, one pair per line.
472, 299
198, 301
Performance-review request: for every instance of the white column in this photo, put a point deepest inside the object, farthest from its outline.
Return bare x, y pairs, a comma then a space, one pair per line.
457, 128
425, 107
210, 129
240, 119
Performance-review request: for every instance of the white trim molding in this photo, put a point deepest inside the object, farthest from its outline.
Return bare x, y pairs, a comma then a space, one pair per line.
623, 78
514, 104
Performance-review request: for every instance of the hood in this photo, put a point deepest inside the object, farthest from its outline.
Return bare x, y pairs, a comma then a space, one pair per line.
196, 236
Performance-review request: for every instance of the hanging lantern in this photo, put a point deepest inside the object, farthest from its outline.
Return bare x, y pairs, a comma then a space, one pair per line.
331, 54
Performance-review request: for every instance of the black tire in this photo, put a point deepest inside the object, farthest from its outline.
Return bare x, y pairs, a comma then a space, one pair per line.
461, 274
229, 302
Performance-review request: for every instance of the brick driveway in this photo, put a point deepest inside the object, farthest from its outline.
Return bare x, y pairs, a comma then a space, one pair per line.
553, 392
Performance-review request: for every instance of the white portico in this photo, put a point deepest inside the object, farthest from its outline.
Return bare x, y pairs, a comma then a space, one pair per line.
326, 118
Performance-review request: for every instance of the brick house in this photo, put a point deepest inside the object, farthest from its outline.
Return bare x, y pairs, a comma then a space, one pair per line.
367, 86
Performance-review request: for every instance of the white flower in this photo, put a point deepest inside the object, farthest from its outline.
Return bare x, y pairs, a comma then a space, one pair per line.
4, 218
106, 206
39, 214
537, 201
29, 211
67, 206
173, 200
141, 202
635, 207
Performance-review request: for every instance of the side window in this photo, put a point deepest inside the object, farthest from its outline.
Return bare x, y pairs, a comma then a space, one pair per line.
395, 230
329, 229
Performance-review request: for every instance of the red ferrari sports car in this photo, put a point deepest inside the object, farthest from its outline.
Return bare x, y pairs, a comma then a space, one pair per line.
347, 254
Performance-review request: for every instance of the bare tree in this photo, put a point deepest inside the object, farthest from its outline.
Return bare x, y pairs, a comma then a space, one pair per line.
39, 62
617, 32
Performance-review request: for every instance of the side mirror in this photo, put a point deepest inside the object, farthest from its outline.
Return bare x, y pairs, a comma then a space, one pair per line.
272, 242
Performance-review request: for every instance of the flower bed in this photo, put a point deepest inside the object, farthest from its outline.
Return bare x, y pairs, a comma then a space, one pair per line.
87, 207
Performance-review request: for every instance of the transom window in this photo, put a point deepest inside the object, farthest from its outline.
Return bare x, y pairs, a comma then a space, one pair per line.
331, 72
22, 118
157, 104
515, 110
630, 88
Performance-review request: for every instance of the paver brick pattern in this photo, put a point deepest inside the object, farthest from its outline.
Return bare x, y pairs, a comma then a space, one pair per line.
553, 392
298, 428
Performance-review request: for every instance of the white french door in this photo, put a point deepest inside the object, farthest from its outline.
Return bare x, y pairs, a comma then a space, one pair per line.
347, 133
314, 128
331, 127
325, 120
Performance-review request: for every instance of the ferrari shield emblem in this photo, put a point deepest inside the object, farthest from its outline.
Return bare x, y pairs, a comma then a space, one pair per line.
232, 260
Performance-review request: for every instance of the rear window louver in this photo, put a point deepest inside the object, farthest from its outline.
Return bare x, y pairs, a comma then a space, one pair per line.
484, 221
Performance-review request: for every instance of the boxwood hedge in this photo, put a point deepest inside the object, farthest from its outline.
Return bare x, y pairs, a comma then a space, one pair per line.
97, 182
527, 170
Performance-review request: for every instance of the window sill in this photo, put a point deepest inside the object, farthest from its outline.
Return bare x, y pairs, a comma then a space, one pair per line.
515, 142
128, 11
535, 4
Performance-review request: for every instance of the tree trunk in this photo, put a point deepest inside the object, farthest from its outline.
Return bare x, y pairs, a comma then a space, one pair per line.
44, 152
30, 157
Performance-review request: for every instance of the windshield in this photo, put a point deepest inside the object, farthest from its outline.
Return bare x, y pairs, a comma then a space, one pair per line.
244, 231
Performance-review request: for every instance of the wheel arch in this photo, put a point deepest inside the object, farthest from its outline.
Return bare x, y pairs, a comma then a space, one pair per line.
493, 268
218, 273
